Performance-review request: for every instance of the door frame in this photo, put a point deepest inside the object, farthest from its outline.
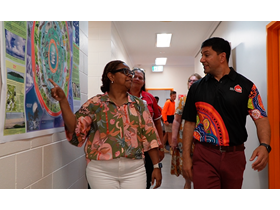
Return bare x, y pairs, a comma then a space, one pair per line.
164, 89
273, 102
171, 89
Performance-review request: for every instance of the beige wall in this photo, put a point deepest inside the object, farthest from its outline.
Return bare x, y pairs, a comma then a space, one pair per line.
49, 161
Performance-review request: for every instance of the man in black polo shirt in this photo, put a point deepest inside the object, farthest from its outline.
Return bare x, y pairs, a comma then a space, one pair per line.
215, 114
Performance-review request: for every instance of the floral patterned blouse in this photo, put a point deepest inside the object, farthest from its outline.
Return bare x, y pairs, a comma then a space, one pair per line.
112, 131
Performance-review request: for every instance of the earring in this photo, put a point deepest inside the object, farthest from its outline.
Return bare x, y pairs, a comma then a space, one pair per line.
112, 82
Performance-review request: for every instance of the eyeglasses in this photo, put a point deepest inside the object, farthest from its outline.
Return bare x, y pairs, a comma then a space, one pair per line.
125, 71
190, 80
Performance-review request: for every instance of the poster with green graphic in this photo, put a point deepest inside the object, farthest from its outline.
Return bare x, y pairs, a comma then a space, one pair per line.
33, 52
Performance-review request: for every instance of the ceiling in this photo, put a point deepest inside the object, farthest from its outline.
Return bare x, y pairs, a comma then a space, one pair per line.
139, 40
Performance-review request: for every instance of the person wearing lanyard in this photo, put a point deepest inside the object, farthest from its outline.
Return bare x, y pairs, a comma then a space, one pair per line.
138, 89
215, 117
117, 130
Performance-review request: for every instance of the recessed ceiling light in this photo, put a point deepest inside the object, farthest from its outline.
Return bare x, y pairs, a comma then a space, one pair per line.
163, 40
160, 61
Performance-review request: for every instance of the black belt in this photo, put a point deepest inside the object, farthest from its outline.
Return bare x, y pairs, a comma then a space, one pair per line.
240, 147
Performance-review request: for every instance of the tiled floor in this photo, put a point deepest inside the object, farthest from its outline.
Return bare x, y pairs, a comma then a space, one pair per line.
170, 181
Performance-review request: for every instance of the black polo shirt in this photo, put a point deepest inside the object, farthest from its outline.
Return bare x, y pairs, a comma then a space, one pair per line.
220, 108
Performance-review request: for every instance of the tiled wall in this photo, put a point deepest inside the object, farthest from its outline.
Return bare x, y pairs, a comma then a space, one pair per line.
47, 162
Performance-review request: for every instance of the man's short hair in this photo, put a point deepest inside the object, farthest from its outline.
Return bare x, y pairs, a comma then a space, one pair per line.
219, 45
172, 92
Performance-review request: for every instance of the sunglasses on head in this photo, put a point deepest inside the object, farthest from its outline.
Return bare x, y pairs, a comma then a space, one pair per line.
135, 69
141, 70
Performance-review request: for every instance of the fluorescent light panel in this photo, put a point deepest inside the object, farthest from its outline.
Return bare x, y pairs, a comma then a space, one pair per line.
163, 40
160, 61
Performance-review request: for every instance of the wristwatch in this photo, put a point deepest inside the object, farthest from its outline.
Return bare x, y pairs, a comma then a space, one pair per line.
268, 147
158, 165
161, 148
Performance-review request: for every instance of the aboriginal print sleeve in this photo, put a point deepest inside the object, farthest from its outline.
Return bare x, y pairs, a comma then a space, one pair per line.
180, 107
255, 106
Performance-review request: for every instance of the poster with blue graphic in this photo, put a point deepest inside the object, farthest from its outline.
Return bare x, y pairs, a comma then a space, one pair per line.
34, 52
75, 72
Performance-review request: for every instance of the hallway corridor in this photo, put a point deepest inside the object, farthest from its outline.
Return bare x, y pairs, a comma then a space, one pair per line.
170, 181
40, 156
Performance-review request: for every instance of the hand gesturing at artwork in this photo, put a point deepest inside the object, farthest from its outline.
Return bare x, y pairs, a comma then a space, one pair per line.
56, 92
67, 114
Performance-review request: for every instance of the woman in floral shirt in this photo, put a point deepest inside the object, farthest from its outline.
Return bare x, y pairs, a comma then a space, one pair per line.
117, 129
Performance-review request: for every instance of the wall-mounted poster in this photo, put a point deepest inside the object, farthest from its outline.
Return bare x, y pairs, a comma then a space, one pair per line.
76, 62
33, 52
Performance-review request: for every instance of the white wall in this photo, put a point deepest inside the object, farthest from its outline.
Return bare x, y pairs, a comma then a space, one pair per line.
104, 45
248, 41
99, 54
49, 161
118, 51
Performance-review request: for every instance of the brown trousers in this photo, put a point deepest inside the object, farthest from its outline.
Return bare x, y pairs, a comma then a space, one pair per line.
213, 169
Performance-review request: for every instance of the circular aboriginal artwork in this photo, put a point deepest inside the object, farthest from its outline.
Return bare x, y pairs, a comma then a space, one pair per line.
51, 59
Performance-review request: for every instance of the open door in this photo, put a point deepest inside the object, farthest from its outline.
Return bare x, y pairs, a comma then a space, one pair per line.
162, 93
273, 99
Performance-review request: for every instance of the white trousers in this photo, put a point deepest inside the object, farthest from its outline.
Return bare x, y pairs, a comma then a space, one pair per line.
120, 173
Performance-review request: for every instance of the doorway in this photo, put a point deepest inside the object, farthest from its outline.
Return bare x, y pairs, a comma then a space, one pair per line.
273, 101
162, 93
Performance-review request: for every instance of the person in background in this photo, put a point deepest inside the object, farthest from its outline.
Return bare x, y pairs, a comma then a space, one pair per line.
117, 129
161, 121
157, 99
168, 117
138, 89
215, 119
177, 135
